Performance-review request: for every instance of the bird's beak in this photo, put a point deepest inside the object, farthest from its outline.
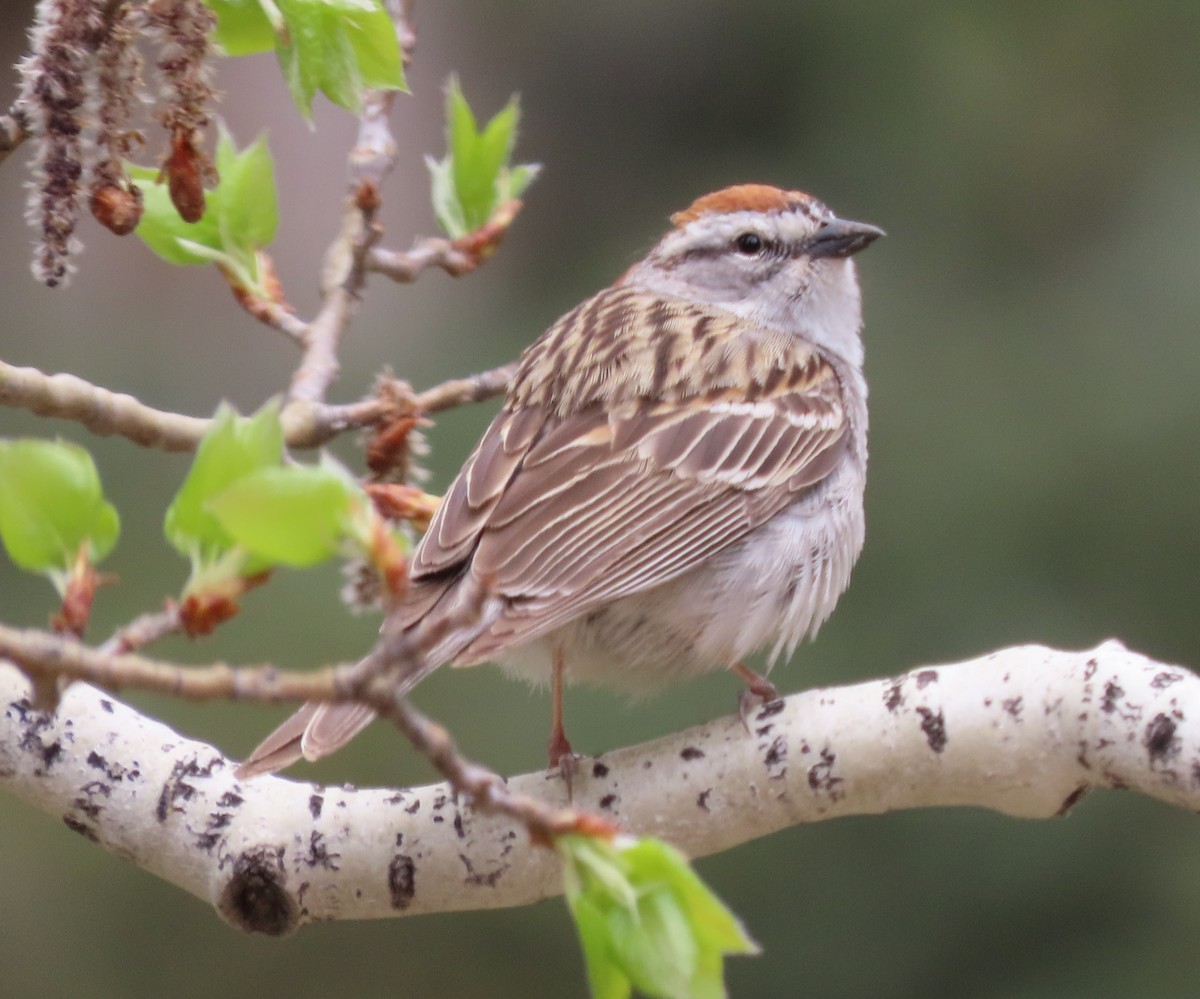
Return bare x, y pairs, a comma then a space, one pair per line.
842, 238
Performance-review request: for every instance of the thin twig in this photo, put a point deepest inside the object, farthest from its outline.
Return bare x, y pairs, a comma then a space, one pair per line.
143, 630
454, 256
270, 308
486, 789
344, 273
430, 252
279, 317
473, 388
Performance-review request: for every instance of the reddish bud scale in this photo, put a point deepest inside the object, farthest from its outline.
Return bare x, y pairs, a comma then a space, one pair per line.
389, 561
389, 446
367, 198
201, 613
116, 208
262, 309
400, 502
483, 242
185, 169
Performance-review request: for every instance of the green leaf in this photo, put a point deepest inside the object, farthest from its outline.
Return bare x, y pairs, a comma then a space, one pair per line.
646, 920
233, 448
475, 178
240, 218
295, 515
243, 26
52, 505
339, 47
342, 48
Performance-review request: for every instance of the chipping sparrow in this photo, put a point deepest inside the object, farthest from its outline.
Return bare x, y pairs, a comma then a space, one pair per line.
676, 477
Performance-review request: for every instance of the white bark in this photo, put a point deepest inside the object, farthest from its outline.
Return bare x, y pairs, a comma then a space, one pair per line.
1024, 731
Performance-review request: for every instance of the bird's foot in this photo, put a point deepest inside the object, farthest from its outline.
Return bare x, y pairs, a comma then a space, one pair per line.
563, 758
758, 692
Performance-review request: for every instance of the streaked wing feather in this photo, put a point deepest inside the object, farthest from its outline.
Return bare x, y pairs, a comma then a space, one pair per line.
625, 522
473, 495
332, 726
606, 474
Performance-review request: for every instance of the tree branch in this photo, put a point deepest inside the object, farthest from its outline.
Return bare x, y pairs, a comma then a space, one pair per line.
1025, 731
305, 424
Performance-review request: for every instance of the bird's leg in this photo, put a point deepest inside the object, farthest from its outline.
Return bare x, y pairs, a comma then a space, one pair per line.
561, 756
757, 692
758, 685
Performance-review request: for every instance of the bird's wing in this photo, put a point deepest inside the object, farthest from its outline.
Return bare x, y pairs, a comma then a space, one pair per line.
559, 513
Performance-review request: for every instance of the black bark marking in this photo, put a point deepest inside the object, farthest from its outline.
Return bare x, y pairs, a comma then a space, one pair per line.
771, 709
402, 881
892, 697
1112, 693
319, 855
84, 830
1013, 707
219, 820
316, 802
702, 799
487, 880
599, 770
926, 677
823, 780
176, 788
776, 753
32, 742
255, 898
115, 772
1072, 799
1081, 756
934, 727
690, 753
88, 807
458, 825
1160, 741
608, 801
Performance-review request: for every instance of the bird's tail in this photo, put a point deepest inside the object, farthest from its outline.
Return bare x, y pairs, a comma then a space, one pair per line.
434, 638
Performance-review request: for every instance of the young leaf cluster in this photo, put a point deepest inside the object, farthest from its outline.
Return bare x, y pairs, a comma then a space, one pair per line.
342, 48
52, 508
244, 508
475, 178
646, 920
239, 220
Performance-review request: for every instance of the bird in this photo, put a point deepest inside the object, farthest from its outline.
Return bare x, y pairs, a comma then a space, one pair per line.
674, 481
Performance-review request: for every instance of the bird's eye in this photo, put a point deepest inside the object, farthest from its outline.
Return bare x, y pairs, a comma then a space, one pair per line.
749, 243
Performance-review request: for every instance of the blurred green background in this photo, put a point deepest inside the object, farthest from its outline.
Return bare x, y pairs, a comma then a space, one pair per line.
1033, 356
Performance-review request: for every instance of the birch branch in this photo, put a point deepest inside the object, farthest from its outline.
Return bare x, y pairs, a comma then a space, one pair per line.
1025, 731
